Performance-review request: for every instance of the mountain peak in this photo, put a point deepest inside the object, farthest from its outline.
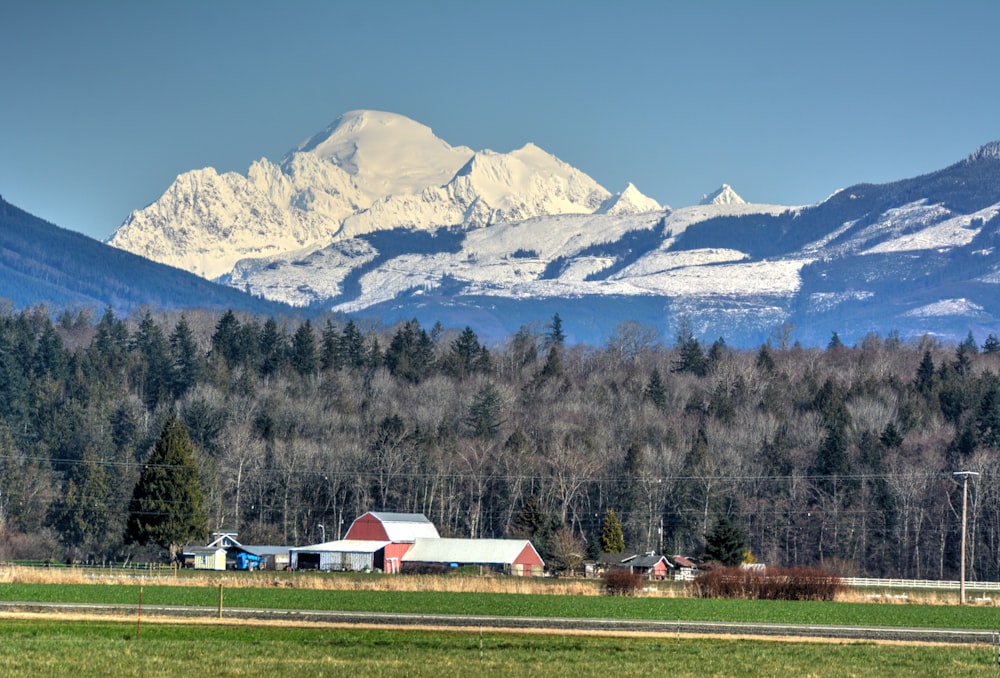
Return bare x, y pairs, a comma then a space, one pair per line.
388, 153
629, 201
990, 151
724, 195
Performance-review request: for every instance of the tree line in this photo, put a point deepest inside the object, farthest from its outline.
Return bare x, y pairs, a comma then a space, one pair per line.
841, 457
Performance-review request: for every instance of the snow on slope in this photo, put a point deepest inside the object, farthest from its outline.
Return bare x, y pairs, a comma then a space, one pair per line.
509, 259
206, 221
490, 188
946, 307
956, 231
301, 280
386, 153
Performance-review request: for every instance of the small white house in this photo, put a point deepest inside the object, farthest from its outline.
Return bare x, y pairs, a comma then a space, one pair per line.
209, 558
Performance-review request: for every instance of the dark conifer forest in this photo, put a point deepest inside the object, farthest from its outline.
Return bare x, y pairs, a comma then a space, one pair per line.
841, 457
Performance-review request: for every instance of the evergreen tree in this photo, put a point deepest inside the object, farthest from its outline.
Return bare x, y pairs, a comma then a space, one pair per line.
186, 359
553, 363
555, 336
533, 522
109, 349
304, 357
725, 543
50, 356
963, 363
988, 414
83, 514
411, 353
375, 358
716, 351
765, 361
691, 358
168, 506
226, 339
485, 416
352, 346
992, 344
924, 380
890, 437
467, 355
969, 345
654, 391
329, 347
154, 370
612, 537
273, 344
835, 343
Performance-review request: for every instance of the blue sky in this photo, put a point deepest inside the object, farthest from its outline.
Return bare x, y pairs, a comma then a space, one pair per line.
103, 103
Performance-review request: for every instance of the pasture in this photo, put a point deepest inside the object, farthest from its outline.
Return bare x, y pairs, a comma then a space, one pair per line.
48, 645
518, 604
66, 648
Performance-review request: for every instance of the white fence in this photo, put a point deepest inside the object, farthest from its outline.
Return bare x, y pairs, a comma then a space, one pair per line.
920, 584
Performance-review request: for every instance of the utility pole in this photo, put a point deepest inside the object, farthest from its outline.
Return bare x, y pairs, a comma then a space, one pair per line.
965, 510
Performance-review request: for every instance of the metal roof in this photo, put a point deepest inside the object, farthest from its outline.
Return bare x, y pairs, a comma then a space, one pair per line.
259, 550
346, 546
472, 551
390, 517
405, 527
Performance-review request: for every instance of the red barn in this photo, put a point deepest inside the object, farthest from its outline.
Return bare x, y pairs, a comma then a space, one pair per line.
510, 556
401, 529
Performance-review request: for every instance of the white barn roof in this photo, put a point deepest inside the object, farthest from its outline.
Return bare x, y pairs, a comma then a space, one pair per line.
407, 526
397, 527
473, 551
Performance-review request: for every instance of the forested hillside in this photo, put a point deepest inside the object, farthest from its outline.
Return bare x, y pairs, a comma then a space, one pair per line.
840, 457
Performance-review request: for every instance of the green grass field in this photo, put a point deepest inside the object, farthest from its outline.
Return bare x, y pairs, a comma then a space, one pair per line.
435, 602
59, 648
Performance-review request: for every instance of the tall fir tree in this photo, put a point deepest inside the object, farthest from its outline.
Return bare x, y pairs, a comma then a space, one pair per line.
168, 505
304, 355
555, 336
186, 360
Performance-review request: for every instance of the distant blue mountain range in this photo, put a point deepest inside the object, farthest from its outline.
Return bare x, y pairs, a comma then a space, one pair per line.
42, 264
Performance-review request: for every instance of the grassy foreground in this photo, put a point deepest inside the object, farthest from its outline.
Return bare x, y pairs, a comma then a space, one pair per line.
61, 648
525, 605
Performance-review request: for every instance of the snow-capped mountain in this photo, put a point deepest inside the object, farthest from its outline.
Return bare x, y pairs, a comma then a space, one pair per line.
724, 195
376, 215
629, 201
367, 171
914, 256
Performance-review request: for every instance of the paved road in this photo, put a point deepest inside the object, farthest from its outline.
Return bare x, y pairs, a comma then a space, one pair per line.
609, 626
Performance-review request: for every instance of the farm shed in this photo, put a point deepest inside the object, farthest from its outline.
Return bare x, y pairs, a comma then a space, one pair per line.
511, 556
686, 568
357, 555
649, 565
209, 558
262, 557
270, 557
